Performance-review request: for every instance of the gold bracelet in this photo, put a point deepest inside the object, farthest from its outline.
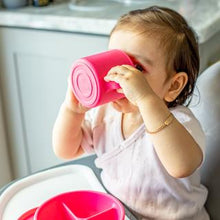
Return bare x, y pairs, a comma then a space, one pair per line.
166, 123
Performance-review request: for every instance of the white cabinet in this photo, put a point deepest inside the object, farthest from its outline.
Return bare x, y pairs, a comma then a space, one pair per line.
34, 66
5, 171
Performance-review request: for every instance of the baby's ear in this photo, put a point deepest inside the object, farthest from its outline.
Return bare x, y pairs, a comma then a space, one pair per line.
178, 82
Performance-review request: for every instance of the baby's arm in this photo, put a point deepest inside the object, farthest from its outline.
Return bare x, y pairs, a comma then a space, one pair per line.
67, 132
177, 150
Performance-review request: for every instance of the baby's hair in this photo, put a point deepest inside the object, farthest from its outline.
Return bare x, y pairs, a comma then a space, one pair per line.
175, 37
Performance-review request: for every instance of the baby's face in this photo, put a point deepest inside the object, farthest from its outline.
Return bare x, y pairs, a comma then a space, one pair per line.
150, 59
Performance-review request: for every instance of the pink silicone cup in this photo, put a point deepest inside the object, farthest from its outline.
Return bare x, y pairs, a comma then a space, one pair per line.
87, 77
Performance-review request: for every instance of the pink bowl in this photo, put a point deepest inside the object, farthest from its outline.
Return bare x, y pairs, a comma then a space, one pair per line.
87, 77
79, 205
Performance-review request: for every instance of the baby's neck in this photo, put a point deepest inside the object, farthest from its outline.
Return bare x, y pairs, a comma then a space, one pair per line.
130, 122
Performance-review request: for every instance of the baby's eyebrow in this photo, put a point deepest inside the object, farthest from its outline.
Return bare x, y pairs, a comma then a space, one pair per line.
144, 59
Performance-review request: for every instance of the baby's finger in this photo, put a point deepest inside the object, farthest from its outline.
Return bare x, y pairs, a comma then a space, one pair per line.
133, 69
115, 78
118, 70
129, 67
109, 76
120, 91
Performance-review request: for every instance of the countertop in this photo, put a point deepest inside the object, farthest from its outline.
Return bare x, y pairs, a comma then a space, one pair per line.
100, 16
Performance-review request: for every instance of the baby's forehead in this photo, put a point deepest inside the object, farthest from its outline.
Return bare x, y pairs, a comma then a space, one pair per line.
134, 40
163, 36
144, 43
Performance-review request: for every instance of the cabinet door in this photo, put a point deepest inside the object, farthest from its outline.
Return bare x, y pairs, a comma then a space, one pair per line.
5, 171
34, 70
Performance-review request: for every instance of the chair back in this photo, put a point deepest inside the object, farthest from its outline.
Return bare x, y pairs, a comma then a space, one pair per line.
206, 107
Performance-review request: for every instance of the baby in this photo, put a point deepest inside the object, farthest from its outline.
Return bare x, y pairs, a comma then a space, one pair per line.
149, 145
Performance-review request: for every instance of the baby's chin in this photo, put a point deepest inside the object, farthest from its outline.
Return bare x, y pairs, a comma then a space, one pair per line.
123, 105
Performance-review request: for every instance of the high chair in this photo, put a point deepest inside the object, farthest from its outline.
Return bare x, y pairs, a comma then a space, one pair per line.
206, 107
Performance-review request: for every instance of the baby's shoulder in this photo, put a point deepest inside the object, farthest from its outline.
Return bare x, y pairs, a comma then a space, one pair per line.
186, 117
183, 114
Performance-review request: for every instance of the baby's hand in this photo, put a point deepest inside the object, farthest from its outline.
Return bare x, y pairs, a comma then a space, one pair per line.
132, 81
72, 103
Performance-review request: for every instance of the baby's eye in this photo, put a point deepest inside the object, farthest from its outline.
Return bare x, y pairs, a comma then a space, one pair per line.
139, 67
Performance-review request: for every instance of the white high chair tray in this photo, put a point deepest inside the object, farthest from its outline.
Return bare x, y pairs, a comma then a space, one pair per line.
32, 191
